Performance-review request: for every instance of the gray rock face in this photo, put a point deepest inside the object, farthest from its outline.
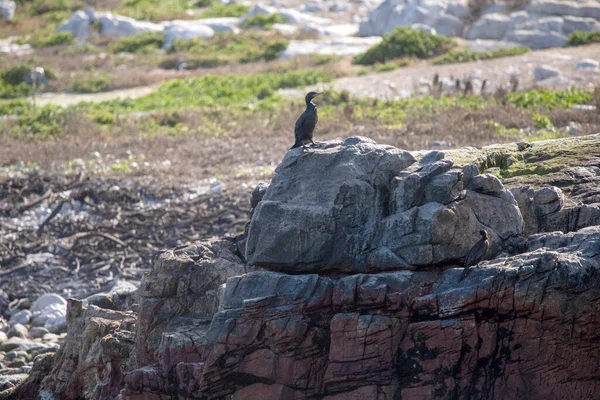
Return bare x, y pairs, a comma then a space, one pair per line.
354, 217
542, 72
490, 26
7, 9
546, 210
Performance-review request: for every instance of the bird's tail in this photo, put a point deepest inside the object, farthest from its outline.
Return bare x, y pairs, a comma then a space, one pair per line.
297, 144
464, 273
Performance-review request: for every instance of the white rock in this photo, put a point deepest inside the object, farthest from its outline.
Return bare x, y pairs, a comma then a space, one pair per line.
333, 30
393, 13
490, 26
449, 26
458, 8
46, 300
589, 9
217, 24
537, 39
286, 29
588, 64
186, 32
424, 27
548, 24
7, 9
117, 25
77, 25
3, 337
292, 16
348, 46
542, 72
40, 258
260, 9
572, 24
23, 317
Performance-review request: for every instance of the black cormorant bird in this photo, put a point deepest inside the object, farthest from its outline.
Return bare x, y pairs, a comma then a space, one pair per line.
305, 124
477, 252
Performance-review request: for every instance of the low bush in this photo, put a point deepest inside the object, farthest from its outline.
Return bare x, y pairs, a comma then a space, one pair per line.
263, 21
143, 43
549, 99
98, 82
579, 38
58, 39
466, 55
226, 47
218, 10
405, 42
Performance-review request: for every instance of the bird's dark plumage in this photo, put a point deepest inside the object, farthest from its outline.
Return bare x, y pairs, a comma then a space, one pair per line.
477, 252
306, 123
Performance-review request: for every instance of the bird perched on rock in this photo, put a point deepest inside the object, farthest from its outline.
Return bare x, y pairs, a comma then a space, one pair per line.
477, 252
305, 124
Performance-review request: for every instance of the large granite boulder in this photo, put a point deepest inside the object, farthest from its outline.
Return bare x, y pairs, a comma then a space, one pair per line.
361, 207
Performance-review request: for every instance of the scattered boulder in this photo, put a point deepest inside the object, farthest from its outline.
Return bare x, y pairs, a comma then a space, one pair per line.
588, 64
183, 30
342, 46
7, 9
537, 39
77, 25
543, 72
117, 25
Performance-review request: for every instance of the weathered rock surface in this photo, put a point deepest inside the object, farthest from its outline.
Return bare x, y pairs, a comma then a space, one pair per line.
7, 9
538, 24
352, 217
522, 325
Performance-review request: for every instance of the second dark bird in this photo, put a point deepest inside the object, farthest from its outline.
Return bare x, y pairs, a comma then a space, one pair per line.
306, 123
477, 252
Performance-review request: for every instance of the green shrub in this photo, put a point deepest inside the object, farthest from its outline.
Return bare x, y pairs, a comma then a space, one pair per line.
217, 10
45, 122
541, 122
154, 10
143, 43
12, 81
405, 42
14, 107
57, 39
39, 7
95, 83
263, 21
466, 55
579, 38
203, 3
227, 47
392, 65
549, 99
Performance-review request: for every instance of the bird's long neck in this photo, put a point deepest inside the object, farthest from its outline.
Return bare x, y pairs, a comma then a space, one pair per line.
310, 105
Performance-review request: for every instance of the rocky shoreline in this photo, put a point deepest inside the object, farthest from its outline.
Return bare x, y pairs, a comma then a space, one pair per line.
329, 317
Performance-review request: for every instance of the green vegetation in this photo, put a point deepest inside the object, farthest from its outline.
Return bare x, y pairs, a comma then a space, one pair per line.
541, 122
143, 43
579, 38
392, 65
58, 39
218, 9
39, 7
405, 42
549, 99
94, 83
154, 10
46, 122
226, 47
14, 107
12, 81
466, 55
263, 21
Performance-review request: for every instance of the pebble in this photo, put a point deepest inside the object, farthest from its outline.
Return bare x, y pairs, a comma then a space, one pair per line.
3, 337
23, 317
46, 300
18, 330
48, 337
37, 332
17, 363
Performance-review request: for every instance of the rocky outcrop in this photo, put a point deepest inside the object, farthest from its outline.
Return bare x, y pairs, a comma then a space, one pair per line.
323, 320
517, 327
354, 217
538, 24
7, 9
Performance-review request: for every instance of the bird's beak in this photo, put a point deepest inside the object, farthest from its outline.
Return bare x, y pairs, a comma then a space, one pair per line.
318, 94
